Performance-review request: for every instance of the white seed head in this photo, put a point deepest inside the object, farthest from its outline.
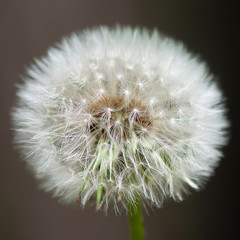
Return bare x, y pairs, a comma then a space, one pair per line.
111, 115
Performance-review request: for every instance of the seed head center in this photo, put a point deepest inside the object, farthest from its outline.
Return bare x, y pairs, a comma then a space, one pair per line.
119, 118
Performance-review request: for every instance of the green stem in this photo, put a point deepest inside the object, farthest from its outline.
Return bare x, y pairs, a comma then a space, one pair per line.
136, 221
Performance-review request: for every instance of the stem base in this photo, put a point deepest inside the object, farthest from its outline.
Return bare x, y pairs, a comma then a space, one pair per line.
136, 221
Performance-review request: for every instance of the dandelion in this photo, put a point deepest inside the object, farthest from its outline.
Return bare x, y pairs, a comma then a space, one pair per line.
118, 116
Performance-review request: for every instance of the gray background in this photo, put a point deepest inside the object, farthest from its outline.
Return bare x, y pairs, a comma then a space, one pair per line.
27, 28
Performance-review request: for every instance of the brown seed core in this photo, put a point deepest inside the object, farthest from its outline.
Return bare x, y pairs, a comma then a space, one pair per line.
119, 118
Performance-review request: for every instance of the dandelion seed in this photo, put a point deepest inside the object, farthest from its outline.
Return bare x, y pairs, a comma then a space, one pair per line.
107, 141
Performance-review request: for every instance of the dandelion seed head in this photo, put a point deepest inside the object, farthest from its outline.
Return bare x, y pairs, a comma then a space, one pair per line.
112, 115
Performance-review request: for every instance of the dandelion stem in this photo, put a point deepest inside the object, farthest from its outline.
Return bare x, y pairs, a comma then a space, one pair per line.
136, 221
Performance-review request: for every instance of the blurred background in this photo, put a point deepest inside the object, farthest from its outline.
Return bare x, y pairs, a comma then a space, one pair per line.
28, 28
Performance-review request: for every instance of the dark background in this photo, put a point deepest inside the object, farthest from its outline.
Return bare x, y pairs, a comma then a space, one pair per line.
27, 28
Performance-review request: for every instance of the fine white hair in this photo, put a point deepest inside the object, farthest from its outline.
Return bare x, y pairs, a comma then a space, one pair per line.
115, 115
